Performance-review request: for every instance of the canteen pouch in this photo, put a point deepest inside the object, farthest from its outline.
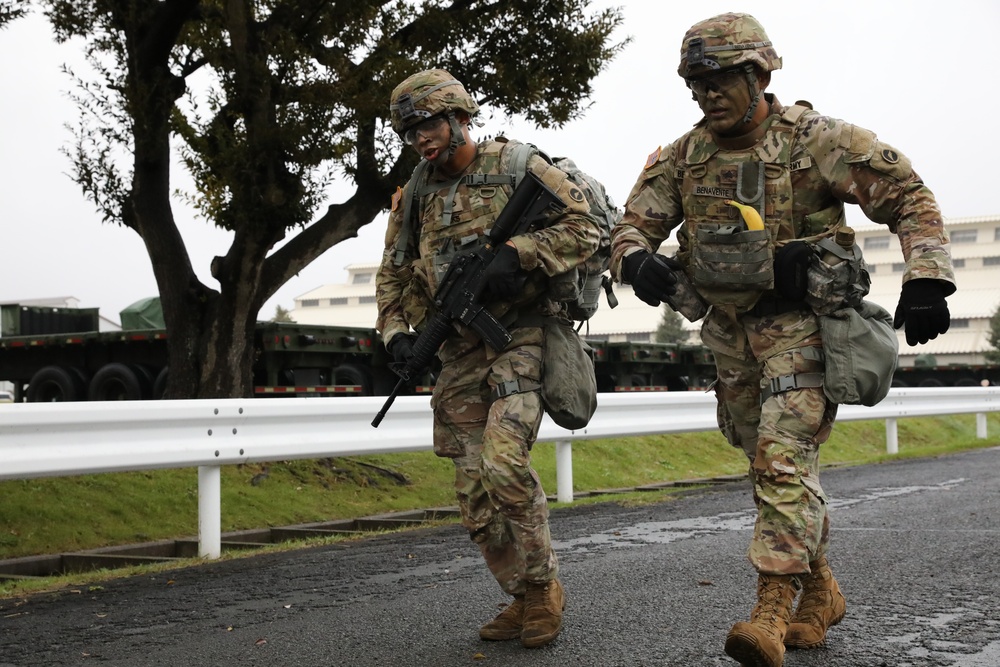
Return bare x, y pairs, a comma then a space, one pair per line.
569, 385
861, 352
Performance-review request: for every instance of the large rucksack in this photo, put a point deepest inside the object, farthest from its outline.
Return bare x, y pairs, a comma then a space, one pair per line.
579, 288
587, 280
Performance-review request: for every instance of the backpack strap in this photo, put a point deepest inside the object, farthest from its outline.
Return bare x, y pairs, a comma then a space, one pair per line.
409, 203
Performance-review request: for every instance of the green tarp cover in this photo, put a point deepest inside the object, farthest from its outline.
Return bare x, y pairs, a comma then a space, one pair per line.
144, 314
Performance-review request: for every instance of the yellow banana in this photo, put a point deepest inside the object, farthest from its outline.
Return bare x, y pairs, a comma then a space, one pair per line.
749, 213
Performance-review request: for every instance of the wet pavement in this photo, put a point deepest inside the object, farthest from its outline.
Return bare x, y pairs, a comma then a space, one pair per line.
915, 546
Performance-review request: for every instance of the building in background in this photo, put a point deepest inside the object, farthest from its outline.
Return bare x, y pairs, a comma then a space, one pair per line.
975, 246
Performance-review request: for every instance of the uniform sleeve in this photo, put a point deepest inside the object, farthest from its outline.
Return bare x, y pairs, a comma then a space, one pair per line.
872, 174
390, 279
570, 239
652, 211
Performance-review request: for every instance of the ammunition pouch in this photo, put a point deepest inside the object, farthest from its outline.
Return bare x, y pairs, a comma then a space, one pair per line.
732, 265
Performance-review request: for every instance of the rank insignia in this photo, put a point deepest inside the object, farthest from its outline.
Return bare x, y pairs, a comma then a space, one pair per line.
396, 197
653, 157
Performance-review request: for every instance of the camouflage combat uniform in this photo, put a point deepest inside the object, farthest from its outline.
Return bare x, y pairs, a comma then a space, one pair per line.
810, 165
500, 496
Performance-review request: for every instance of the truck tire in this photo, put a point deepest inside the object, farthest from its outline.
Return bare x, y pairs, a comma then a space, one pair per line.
930, 382
116, 382
354, 374
55, 384
160, 384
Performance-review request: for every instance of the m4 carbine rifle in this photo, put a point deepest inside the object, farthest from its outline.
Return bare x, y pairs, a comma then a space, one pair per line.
459, 296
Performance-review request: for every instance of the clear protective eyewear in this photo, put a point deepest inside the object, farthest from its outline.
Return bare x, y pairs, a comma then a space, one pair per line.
424, 128
718, 82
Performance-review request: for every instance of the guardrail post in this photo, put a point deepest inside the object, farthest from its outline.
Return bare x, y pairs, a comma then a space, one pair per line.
209, 511
564, 471
981, 425
891, 437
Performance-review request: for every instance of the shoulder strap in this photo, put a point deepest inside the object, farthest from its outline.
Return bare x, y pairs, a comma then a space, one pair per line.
409, 202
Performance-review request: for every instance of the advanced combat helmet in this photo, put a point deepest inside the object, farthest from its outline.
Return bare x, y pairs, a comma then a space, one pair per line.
425, 94
726, 41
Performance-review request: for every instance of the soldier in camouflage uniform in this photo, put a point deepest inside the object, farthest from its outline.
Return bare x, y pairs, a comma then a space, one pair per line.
487, 407
796, 168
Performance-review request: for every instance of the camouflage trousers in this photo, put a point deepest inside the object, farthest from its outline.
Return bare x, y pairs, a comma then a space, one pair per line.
500, 497
781, 437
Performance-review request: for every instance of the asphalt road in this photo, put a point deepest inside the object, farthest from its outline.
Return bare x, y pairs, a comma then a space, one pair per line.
915, 548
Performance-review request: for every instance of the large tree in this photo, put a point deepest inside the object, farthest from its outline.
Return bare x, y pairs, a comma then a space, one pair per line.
267, 101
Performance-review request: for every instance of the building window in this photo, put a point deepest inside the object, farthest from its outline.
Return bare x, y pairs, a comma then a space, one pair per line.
366, 299
871, 268
310, 303
964, 236
637, 337
991, 261
876, 243
339, 301
899, 267
362, 278
996, 234
958, 263
960, 323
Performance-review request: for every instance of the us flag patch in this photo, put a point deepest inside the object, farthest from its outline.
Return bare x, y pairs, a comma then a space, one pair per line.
653, 157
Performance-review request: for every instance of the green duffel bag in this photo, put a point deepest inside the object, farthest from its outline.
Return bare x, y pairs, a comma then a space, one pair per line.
861, 352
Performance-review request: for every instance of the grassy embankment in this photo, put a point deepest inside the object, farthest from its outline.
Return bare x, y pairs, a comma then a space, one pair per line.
55, 515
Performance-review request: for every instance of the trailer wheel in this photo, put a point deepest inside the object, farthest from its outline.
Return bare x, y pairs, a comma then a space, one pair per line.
930, 382
966, 382
160, 384
899, 383
55, 384
354, 374
115, 382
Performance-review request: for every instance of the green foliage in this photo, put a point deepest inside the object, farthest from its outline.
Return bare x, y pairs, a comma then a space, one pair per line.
10, 10
282, 315
671, 328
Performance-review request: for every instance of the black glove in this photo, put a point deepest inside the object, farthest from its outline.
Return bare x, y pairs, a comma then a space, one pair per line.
651, 276
401, 347
922, 307
790, 264
504, 276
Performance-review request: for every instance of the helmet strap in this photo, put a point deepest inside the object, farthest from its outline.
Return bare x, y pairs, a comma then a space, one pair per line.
754, 92
457, 135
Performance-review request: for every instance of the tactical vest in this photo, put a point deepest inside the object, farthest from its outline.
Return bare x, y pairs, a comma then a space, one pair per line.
455, 219
731, 266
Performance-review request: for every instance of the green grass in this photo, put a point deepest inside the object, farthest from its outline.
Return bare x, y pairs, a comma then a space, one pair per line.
54, 515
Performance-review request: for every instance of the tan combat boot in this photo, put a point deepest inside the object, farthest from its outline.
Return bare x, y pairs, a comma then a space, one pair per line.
760, 643
506, 625
543, 607
822, 605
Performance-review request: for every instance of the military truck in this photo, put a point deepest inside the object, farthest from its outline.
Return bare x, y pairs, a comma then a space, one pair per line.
58, 354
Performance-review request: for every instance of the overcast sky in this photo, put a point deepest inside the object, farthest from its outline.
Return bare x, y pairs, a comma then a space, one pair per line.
920, 74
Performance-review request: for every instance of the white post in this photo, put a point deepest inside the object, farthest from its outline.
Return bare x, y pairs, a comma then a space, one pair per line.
891, 437
981, 425
564, 471
209, 511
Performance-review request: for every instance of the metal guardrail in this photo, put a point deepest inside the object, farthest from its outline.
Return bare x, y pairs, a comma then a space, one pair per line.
61, 439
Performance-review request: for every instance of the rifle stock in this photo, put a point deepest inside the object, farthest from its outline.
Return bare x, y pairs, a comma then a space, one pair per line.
458, 297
